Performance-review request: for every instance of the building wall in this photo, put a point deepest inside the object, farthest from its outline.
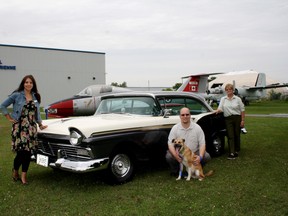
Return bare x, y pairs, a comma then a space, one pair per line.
59, 73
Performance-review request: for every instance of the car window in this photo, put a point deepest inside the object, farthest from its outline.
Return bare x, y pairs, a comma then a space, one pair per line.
132, 105
174, 104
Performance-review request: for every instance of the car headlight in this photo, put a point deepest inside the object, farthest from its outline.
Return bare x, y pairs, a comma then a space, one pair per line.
75, 137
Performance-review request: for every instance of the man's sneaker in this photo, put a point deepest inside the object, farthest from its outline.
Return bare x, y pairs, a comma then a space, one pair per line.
236, 154
231, 156
243, 130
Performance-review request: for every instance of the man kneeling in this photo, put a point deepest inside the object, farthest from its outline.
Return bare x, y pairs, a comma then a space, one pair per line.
194, 139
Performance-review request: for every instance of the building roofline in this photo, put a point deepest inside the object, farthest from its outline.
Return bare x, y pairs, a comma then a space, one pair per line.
45, 48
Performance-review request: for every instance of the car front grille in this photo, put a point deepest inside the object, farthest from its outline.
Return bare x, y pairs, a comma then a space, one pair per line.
64, 151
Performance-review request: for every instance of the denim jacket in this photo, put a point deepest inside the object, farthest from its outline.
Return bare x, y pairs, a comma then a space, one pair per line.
18, 100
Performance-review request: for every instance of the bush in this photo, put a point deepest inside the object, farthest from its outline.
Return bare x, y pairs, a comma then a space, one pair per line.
274, 95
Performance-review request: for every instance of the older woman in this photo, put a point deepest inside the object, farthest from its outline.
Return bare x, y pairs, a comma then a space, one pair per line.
234, 113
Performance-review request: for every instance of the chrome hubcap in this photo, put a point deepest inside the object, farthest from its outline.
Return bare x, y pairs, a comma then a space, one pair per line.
120, 165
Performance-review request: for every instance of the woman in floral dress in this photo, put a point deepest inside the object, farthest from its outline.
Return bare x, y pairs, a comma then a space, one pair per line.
24, 118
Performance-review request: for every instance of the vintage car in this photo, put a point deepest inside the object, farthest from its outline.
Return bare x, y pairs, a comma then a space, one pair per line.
126, 129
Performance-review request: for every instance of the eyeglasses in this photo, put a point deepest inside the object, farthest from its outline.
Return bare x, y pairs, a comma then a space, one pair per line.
185, 114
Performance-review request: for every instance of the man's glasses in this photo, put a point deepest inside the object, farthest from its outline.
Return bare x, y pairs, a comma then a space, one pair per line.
185, 114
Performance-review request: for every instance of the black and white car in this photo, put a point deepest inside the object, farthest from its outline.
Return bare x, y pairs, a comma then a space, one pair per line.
126, 128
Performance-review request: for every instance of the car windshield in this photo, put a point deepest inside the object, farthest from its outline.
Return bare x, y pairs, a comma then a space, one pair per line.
130, 105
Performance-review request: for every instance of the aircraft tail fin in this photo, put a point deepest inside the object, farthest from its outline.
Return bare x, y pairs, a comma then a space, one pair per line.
261, 80
195, 84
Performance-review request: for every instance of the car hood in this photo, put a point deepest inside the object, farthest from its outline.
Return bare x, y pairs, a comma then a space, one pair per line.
108, 122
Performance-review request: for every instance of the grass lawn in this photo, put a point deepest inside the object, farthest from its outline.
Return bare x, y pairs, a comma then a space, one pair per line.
256, 183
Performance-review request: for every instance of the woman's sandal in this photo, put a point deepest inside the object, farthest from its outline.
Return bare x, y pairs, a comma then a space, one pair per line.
15, 178
24, 183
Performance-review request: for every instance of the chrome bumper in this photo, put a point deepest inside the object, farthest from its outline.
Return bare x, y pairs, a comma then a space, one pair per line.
80, 166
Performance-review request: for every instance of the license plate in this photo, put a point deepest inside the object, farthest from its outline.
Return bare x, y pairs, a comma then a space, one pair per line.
42, 160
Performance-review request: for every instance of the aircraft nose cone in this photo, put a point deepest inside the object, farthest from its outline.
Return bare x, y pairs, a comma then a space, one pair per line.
62, 108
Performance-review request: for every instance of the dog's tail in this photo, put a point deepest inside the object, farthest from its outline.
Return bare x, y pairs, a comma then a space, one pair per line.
209, 173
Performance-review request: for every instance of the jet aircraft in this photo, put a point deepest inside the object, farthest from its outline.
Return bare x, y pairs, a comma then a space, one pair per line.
82, 104
198, 83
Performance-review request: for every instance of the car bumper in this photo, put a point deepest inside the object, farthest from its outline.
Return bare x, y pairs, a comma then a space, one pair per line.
80, 166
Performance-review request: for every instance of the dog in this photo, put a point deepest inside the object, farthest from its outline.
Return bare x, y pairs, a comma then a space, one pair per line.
188, 158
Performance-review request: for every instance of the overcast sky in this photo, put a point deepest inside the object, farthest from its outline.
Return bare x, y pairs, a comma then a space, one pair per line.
157, 42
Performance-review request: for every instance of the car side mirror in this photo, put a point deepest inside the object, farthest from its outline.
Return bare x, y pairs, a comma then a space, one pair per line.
166, 113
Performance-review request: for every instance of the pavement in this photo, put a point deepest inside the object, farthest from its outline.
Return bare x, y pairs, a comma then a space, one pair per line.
276, 115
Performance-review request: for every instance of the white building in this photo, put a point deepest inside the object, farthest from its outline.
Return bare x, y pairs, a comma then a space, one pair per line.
59, 73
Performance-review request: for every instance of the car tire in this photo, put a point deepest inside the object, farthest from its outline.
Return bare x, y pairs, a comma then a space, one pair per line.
121, 168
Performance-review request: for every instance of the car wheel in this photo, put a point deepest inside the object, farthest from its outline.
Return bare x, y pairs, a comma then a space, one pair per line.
121, 168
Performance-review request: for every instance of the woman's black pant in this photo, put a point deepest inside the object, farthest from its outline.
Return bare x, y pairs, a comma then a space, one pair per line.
23, 159
233, 132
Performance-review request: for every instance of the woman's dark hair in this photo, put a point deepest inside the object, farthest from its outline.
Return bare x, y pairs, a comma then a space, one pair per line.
34, 89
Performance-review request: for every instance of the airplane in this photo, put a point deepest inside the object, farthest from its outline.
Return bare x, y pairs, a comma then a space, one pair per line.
82, 104
198, 83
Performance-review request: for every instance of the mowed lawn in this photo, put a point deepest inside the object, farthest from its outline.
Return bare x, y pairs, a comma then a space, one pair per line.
256, 183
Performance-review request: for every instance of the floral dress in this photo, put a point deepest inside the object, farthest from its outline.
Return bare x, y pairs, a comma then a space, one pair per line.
25, 130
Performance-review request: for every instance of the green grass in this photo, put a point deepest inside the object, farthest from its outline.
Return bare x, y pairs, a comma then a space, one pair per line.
254, 184
267, 107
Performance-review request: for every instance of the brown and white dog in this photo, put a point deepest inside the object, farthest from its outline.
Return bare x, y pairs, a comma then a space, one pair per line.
188, 158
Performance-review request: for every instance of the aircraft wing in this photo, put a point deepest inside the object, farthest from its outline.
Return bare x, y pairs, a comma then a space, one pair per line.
268, 86
201, 75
